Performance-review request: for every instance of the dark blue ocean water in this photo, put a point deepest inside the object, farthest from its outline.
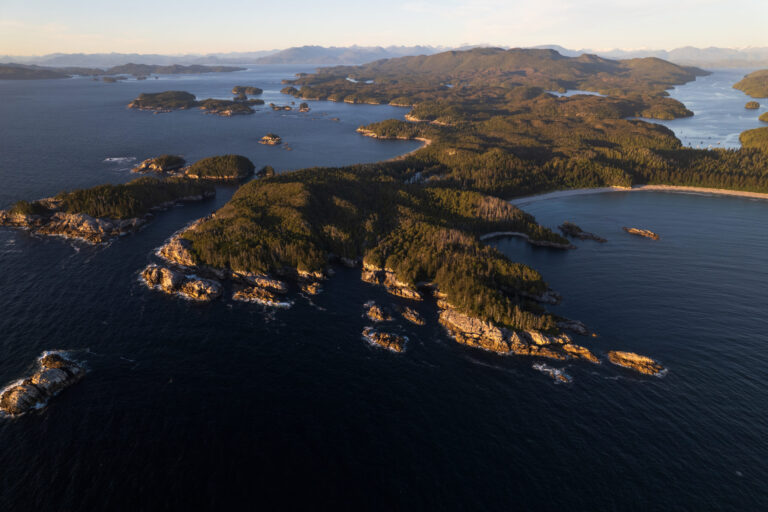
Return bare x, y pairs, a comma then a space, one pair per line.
203, 407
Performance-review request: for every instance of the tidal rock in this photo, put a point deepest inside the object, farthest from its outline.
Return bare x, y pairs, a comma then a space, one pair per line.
203, 290
376, 313
175, 283
558, 375
647, 233
310, 287
54, 374
573, 326
412, 316
178, 251
388, 340
478, 333
386, 277
636, 362
271, 139
259, 295
574, 231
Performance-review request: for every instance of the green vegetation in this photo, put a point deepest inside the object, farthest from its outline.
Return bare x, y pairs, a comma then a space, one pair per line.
752, 105
424, 233
167, 100
27, 208
225, 107
246, 90
757, 138
168, 162
494, 135
133, 199
225, 167
489, 73
754, 84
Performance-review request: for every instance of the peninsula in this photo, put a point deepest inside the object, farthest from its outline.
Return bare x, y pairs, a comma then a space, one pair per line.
754, 84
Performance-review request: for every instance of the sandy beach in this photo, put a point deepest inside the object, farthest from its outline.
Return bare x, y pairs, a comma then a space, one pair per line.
638, 188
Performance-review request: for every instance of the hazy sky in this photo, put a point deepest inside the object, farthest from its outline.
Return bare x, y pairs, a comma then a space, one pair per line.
30, 27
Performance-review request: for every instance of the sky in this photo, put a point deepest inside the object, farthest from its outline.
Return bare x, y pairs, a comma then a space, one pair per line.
36, 27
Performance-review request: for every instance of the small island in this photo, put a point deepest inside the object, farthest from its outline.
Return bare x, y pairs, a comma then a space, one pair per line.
304, 107
387, 340
271, 139
99, 214
752, 105
246, 90
221, 168
572, 230
56, 371
763, 117
636, 362
165, 101
280, 107
647, 233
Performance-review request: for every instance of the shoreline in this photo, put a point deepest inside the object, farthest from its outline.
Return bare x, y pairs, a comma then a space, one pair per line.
521, 201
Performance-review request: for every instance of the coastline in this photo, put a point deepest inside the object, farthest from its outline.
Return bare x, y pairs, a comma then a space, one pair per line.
521, 201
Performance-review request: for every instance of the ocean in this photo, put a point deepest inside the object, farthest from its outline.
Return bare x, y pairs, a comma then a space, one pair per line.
202, 407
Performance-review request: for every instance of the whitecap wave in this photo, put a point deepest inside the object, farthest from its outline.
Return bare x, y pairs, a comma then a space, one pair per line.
558, 375
119, 159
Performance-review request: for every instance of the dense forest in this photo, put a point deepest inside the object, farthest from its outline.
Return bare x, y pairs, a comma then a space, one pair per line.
133, 199
224, 167
754, 84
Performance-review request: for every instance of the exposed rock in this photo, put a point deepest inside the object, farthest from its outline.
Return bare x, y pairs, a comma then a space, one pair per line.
160, 164
178, 251
304, 107
271, 139
55, 373
481, 334
642, 232
546, 297
558, 375
175, 283
259, 295
203, 290
390, 341
386, 277
412, 316
376, 313
573, 326
310, 287
574, 231
636, 362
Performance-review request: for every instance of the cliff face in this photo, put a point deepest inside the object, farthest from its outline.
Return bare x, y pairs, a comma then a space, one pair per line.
386, 277
55, 373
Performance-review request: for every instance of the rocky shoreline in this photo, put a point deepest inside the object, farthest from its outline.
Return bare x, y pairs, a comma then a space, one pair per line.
539, 243
79, 226
56, 372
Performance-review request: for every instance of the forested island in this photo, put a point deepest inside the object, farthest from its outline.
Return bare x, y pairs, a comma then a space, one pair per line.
168, 101
416, 225
754, 84
98, 214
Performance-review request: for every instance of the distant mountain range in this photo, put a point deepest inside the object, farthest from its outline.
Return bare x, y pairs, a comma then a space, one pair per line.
688, 55
308, 55
355, 55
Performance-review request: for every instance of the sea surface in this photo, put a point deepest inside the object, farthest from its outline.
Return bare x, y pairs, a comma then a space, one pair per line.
212, 407
719, 113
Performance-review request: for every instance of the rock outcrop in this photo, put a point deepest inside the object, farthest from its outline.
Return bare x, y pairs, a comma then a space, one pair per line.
386, 277
647, 233
412, 316
55, 373
72, 225
478, 333
178, 251
388, 340
377, 313
264, 296
539, 243
173, 282
574, 231
161, 164
636, 362
271, 139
